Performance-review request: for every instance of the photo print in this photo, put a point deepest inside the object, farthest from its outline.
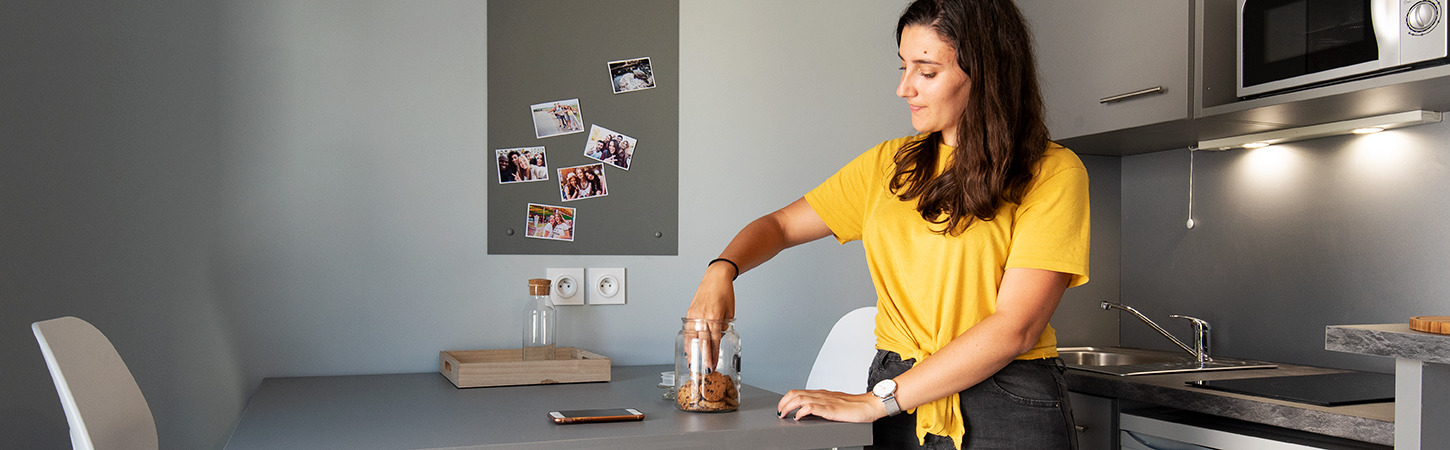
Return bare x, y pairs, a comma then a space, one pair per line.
557, 117
609, 147
550, 222
630, 75
522, 164
581, 182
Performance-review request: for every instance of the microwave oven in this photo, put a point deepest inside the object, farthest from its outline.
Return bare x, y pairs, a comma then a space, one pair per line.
1288, 45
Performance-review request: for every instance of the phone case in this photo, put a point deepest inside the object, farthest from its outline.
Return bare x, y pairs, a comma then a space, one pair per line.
561, 418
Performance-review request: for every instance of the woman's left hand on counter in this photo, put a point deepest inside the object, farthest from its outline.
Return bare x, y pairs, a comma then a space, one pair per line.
831, 405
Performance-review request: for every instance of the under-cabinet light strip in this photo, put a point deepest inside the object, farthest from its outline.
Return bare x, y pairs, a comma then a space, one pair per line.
1360, 125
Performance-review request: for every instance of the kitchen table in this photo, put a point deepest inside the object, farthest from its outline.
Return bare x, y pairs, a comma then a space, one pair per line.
425, 410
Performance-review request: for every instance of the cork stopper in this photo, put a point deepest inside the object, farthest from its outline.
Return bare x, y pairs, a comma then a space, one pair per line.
539, 286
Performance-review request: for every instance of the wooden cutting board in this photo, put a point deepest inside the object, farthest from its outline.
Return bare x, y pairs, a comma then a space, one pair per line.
1431, 324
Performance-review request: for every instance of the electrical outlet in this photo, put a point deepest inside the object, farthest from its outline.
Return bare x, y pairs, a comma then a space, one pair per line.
606, 286
566, 286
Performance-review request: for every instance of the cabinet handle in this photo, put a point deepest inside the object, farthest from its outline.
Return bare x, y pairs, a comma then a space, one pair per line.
1121, 97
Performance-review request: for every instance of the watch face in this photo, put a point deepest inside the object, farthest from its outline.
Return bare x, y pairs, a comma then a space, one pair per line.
884, 388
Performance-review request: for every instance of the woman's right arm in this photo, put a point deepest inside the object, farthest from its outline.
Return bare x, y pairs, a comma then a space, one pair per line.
759, 241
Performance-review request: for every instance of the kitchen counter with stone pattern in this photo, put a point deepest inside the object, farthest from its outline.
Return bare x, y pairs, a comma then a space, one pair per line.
1422, 376
1394, 340
1372, 422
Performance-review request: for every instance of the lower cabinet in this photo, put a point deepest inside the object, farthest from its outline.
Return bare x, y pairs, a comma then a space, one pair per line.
1096, 420
1170, 429
1105, 423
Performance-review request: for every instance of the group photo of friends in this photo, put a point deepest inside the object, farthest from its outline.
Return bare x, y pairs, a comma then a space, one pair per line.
550, 222
609, 147
631, 75
581, 182
557, 117
521, 164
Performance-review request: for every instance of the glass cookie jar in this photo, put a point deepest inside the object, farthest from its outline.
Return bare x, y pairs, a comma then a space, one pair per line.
707, 366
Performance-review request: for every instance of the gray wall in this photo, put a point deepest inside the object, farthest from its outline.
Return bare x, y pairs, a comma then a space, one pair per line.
238, 190
1078, 320
109, 208
1289, 239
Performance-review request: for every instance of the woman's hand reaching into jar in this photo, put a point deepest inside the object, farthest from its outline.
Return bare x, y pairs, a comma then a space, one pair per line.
714, 303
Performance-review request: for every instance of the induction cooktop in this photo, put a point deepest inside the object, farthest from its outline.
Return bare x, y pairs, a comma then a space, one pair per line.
1330, 389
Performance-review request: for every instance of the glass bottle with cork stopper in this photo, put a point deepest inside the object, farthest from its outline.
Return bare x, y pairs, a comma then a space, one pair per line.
540, 321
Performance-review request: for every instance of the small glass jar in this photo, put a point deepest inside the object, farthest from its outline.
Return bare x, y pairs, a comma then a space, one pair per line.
540, 323
707, 366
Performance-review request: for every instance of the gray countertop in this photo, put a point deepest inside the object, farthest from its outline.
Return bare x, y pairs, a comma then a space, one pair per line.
1373, 422
1394, 340
425, 410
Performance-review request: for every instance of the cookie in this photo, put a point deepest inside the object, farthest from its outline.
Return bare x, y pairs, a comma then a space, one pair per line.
715, 392
715, 387
687, 395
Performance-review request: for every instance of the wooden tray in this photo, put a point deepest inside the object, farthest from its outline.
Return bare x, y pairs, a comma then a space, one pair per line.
1431, 324
482, 368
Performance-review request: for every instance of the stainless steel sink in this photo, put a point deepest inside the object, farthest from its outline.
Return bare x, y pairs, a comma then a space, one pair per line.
1131, 361
1097, 356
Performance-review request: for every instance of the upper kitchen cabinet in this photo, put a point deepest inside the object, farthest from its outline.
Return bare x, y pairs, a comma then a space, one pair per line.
1113, 65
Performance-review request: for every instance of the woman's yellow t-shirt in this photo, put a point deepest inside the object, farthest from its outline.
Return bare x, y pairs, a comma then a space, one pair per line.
930, 287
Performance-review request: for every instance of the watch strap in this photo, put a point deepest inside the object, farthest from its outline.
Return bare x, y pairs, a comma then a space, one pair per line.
892, 408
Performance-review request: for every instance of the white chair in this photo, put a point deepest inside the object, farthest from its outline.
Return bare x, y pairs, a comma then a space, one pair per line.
102, 402
845, 357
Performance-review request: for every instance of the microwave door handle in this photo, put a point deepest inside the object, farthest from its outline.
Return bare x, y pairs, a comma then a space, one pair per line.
1138, 93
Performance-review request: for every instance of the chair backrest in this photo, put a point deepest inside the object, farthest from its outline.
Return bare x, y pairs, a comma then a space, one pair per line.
845, 357
102, 402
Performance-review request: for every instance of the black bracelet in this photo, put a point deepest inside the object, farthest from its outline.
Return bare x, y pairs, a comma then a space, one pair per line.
732, 264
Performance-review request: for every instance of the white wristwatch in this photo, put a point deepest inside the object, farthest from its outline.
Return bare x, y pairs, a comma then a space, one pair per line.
886, 391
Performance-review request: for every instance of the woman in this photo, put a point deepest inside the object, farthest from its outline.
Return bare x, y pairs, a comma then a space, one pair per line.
625, 154
560, 227
555, 229
568, 187
582, 187
545, 230
973, 230
606, 152
539, 170
596, 184
524, 171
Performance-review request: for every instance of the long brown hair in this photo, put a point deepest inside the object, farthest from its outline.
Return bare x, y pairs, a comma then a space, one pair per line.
1002, 132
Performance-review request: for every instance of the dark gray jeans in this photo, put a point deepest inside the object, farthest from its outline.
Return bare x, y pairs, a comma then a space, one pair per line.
1022, 406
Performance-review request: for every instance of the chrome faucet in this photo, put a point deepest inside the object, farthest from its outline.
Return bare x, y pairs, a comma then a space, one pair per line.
1201, 329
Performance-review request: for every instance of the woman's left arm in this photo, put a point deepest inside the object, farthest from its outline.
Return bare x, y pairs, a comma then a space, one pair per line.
1025, 302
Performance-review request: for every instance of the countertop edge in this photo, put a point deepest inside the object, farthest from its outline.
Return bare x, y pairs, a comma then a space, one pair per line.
1395, 340
1372, 423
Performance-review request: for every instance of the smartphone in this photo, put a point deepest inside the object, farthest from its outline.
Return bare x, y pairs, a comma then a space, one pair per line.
596, 415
